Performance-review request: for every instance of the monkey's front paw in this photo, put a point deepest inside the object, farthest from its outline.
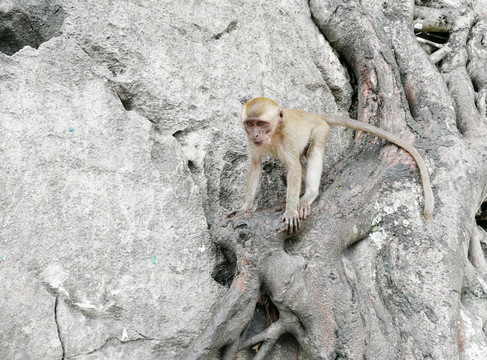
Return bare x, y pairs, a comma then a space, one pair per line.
291, 221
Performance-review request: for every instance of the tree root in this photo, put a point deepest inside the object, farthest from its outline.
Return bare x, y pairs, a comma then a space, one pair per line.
263, 268
475, 252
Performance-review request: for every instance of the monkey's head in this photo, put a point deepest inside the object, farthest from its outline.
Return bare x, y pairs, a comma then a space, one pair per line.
261, 117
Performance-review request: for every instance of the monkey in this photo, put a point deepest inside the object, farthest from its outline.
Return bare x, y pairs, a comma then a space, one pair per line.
289, 134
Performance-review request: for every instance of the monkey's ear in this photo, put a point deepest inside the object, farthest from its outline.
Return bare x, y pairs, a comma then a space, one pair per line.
281, 115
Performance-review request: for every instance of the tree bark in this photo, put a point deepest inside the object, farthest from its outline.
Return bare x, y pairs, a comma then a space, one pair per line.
368, 277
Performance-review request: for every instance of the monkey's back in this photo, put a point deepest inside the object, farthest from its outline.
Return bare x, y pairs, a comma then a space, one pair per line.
299, 124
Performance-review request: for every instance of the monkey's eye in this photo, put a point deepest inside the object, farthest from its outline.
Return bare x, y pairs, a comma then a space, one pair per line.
260, 123
250, 123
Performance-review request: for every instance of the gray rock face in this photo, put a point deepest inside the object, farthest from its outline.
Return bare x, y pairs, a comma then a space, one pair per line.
28, 23
94, 203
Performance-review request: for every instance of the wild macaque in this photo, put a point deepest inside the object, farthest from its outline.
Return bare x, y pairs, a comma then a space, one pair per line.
289, 134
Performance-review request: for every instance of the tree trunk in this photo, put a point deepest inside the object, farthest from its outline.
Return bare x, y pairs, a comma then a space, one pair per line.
368, 277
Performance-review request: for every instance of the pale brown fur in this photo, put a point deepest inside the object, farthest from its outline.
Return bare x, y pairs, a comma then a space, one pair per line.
289, 134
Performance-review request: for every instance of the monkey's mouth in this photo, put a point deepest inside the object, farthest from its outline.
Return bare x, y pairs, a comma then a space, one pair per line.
258, 143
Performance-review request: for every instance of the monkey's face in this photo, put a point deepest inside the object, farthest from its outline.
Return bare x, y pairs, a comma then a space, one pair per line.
258, 131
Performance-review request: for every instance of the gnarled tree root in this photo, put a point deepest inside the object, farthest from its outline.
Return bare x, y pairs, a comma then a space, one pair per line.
263, 267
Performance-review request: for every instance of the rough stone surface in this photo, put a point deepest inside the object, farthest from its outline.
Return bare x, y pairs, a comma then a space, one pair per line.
28, 23
94, 203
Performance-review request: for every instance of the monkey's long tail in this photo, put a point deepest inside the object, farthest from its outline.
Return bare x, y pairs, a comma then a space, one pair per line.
429, 201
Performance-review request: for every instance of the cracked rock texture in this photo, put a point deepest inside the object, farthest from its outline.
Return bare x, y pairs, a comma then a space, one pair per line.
116, 122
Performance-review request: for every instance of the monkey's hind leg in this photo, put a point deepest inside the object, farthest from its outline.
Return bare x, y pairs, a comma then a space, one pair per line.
316, 154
